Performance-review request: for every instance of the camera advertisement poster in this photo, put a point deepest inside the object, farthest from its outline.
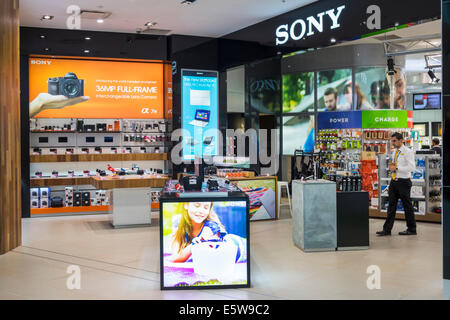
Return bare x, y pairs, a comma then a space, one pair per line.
67, 87
204, 244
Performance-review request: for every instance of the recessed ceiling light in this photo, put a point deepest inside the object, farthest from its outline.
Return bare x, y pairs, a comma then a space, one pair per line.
87, 38
86, 51
46, 17
46, 49
333, 40
150, 24
99, 20
42, 36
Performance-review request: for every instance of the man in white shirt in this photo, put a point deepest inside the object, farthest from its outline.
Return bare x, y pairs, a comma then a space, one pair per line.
401, 164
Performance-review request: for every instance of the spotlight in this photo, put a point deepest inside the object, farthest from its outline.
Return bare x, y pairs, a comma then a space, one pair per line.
87, 38
188, 1
150, 24
433, 77
99, 20
86, 51
47, 17
391, 64
333, 40
42, 37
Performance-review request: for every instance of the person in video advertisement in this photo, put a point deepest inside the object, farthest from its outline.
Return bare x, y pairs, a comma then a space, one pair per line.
361, 100
401, 165
380, 94
199, 223
330, 98
399, 87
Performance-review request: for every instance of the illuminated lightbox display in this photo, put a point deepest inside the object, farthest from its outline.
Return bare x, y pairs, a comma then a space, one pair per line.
204, 244
199, 113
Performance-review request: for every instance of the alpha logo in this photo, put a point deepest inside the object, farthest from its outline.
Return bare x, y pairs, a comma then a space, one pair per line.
299, 27
148, 111
40, 62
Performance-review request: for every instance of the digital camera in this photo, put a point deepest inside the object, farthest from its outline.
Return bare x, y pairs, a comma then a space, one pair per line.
69, 86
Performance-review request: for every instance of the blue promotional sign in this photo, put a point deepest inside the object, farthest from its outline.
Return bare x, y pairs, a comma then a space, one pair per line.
200, 113
339, 120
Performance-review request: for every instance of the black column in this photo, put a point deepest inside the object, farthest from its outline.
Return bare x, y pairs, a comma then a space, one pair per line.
446, 136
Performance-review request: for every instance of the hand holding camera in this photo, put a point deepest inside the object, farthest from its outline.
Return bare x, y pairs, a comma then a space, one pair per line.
62, 92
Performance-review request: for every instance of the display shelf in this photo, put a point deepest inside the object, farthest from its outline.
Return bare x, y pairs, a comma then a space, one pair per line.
98, 157
64, 210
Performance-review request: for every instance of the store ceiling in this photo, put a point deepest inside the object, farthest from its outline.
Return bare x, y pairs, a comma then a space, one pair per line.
212, 18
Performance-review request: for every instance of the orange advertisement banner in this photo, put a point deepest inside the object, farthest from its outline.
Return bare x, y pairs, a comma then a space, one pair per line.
82, 88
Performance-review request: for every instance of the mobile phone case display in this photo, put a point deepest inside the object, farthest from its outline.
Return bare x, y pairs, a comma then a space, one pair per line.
434, 178
379, 140
98, 136
419, 189
340, 159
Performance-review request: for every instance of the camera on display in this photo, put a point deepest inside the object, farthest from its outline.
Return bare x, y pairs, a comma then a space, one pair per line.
69, 86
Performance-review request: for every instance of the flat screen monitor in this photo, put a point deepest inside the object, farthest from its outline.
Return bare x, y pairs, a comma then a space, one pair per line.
426, 101
204, 244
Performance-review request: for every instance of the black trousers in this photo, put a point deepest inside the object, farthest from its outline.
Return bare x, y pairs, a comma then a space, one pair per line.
400, 189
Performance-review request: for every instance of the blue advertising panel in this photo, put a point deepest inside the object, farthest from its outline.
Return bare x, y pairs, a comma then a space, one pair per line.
200, 113
339, 120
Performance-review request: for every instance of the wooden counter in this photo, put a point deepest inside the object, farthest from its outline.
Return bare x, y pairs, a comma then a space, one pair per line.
134, 181
69, 181
429, 217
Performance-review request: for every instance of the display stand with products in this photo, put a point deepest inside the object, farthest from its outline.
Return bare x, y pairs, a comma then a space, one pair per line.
423, 189
67, 152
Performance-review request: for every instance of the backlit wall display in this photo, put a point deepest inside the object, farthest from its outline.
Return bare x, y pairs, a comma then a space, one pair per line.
71, 87
200, 113
204, 244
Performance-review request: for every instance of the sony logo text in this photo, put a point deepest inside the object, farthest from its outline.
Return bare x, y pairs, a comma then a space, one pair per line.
298, 28
40, 62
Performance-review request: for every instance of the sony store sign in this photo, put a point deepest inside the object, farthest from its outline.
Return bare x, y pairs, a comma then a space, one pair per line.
307, 27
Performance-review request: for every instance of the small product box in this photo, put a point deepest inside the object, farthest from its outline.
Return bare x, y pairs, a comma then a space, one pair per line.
44, 193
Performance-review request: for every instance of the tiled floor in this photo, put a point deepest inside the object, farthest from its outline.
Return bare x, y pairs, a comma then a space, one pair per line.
124, 264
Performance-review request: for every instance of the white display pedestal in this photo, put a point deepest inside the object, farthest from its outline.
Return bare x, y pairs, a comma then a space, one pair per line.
130, 207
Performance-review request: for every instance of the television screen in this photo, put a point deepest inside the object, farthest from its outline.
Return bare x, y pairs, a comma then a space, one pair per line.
204, 244
426, 101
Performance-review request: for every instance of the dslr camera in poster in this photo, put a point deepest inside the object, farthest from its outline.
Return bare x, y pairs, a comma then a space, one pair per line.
204, 244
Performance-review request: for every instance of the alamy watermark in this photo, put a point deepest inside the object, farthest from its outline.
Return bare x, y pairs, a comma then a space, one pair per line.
257, 142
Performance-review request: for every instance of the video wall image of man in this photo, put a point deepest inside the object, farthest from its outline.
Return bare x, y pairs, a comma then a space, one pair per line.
262, 195
298, 92
204, 244
333, 93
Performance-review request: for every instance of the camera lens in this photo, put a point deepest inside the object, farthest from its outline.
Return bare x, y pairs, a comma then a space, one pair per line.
71, 88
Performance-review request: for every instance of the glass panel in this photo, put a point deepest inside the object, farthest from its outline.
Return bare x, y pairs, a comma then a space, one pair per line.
298, 92
334, 90
298, 133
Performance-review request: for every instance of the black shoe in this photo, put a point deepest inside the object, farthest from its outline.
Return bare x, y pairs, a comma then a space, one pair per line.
383, 233
407, 233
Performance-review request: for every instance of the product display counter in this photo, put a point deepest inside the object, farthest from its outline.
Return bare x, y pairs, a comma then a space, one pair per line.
204, 238
323, 220
129, 197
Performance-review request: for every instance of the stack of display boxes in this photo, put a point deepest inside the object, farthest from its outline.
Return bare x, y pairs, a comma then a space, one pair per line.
39, 197
80, 198
369, 172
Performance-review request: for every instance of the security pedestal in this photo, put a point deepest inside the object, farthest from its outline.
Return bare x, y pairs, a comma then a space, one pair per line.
314, 215
352, 220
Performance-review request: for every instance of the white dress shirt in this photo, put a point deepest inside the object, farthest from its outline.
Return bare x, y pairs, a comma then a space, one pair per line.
405, 162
